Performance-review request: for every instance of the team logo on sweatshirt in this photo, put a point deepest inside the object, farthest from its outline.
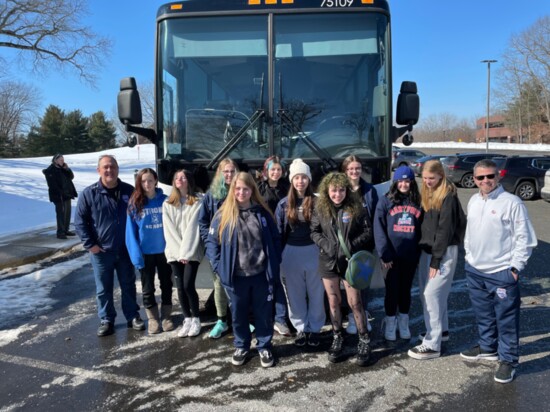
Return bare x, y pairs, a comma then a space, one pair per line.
405, 219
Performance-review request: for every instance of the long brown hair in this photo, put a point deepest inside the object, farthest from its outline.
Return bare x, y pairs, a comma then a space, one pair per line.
307, 204
229, 210
433, 199
175, 196
138, 199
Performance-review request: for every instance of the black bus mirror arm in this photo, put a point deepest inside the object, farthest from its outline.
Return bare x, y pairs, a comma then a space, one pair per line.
405, 132
150, 134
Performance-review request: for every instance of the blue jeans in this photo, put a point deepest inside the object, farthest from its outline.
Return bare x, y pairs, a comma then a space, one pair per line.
105, 264
251, 292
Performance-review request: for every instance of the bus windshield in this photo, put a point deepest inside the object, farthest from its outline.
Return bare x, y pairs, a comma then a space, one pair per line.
321, 87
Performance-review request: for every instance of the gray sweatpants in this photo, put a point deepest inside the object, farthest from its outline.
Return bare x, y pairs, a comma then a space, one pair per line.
303, 287
434, 293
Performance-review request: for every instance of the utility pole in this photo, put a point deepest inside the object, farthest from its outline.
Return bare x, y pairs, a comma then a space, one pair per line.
488, 102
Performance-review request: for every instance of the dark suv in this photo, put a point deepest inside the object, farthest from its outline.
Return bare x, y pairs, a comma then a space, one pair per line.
523, 175
460, 167
404, 157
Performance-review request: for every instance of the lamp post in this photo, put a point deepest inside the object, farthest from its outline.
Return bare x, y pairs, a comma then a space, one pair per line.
488, 102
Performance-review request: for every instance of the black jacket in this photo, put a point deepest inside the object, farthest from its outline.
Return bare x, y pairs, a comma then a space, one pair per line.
357, 234
442, 228
60, 183
272, 195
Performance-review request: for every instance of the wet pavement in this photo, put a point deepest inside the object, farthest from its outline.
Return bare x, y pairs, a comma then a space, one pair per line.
57, 361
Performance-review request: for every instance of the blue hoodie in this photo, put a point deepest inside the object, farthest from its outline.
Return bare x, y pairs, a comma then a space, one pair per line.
144, 233
223, 255
397, 230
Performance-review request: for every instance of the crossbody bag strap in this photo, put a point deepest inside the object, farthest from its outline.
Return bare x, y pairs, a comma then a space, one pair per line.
343, 244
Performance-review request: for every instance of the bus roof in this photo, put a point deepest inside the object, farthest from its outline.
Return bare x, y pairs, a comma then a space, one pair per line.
202, 6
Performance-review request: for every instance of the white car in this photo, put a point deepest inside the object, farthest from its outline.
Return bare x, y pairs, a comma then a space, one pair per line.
545, 191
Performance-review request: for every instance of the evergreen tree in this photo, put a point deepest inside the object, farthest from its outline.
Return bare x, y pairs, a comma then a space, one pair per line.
74, 133
101, 131
47, 139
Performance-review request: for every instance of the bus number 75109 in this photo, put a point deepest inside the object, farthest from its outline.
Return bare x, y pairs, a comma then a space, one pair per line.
336, 3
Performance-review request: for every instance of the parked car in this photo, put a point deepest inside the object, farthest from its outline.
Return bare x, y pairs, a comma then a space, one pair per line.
416, 165
459, 168
545, 191
404, 157
523, 175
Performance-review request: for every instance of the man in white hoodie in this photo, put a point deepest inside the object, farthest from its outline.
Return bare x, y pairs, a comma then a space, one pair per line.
499, 240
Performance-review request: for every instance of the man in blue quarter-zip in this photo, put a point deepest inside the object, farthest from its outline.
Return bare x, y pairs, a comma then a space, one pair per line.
499, 240
100, 223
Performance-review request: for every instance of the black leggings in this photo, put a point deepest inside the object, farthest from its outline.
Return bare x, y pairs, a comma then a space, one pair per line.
185, 276
398, 282
156, 263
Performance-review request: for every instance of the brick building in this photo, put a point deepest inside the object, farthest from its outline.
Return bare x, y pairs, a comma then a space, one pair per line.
498, 132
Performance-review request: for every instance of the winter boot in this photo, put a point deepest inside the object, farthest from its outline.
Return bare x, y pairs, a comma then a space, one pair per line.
390, 326
153, 324
166, 315
403, 326
336, 349
363, 350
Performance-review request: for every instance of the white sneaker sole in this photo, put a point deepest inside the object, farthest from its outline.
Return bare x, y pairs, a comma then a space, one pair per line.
491, 357
424, 356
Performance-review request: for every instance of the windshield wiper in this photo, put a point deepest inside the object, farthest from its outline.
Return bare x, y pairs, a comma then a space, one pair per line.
236, 139
323, 154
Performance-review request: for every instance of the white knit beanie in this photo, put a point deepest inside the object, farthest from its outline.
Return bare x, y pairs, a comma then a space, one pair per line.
299, 167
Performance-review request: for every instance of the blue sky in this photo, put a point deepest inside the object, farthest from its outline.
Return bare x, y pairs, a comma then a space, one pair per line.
437, 43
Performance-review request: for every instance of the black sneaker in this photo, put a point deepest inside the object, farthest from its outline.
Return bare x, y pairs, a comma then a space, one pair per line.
444, 336
266, 358
476, 353
505, 372
70, 233
422, 352
61, 236
300, 339
137, 323
336, 349
363, 350
313, 339
239, 356
105, 329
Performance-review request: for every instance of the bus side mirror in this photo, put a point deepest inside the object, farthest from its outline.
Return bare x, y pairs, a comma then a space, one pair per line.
128, 102
408, 104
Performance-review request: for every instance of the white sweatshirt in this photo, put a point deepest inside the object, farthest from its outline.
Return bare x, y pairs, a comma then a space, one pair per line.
499, 234
181, 231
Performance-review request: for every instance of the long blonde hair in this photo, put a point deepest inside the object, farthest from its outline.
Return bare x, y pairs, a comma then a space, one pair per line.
229, 210
433, 198
174, 198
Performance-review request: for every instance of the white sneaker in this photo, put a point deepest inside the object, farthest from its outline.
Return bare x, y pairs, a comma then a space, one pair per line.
195, 327
390, 325
403, 326
352, 327
185, 326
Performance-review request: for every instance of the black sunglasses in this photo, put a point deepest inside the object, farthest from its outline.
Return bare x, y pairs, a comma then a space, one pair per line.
490, 177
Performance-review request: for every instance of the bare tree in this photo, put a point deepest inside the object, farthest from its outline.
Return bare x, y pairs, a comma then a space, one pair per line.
48, 34
19, 103
525, 80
